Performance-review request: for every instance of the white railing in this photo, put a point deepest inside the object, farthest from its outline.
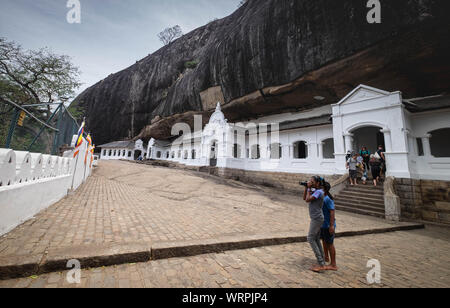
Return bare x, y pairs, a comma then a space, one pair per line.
31, 182
23, 167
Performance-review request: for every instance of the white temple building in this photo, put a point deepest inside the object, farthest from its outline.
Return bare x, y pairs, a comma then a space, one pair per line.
415, 134
123, 150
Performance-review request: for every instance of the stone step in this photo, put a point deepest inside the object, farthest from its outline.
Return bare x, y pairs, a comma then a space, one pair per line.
372, 195
359, 211
367, 207
360, 200
359, 203
369, 189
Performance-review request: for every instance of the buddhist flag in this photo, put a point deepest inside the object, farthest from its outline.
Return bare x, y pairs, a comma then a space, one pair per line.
92, 156
89, 140
79, 140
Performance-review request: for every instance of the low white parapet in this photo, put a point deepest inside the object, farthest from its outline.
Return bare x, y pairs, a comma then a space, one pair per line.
31, 182
23, 167
36, 166
17, 167
7, 167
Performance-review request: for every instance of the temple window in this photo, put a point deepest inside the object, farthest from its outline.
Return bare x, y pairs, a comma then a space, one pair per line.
300, 150
328, 148
439, 143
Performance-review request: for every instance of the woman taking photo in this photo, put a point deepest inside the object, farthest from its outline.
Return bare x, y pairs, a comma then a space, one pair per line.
314, 195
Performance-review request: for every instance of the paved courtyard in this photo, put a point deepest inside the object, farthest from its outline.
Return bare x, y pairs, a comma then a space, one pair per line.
125, 204
408, 259
124, 207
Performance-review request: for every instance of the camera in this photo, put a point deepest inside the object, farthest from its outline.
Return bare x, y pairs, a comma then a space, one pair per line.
304, 184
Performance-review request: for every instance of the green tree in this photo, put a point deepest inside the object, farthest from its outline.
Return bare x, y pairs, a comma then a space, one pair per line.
34, 77
37, 76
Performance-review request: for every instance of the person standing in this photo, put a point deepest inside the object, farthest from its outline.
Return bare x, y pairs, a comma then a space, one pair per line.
365, 154
382, 158
352, 165
329, 228
375, 165
314, 195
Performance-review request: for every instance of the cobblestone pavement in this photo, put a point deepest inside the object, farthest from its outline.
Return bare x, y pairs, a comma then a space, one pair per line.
408, 259
124, 203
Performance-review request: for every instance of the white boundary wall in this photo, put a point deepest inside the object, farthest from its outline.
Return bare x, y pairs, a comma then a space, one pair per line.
31, 182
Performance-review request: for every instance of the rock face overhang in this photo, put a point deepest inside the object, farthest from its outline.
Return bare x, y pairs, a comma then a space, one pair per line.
274, 56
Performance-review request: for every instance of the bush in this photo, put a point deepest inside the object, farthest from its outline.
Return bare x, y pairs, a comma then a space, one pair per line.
191, 64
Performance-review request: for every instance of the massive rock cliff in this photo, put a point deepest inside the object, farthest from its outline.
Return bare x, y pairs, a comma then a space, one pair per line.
273, 56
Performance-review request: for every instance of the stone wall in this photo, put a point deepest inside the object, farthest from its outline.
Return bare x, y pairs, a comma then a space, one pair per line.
424, 199
285, 181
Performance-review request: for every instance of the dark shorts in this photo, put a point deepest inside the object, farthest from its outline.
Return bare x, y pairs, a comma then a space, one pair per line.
326, 236
376, 172
353, 174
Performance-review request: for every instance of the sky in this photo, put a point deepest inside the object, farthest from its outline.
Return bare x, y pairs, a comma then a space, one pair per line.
112, 35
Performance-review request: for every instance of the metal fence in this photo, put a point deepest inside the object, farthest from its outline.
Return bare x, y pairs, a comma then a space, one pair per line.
42, 128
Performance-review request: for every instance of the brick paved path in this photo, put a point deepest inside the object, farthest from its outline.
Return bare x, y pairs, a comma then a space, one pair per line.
408, 259
125, 204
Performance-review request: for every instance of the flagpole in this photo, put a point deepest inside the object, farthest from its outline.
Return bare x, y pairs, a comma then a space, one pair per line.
76, 162
85, 161
74, 171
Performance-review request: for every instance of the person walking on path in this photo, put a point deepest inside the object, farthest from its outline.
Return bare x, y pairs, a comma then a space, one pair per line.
381, 156
314, 195
365, 154
375, 165
328, 231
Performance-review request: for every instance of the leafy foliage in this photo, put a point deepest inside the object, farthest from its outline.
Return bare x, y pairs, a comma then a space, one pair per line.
30, 77
191, 64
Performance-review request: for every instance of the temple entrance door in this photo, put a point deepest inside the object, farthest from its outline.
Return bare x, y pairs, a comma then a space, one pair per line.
137, 154
213, 154
370, 137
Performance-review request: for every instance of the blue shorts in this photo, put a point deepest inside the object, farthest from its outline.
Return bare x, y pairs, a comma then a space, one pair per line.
326, 236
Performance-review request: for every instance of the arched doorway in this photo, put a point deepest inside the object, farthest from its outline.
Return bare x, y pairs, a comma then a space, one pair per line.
213, 154
137, 154
368, 136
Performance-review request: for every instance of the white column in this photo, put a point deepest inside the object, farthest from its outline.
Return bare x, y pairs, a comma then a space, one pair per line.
426, 145
312, 151
321, 150
387, 139
348, 142
414, 149
285, 152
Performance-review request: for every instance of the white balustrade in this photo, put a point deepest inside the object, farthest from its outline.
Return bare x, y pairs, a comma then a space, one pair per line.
66, 166
18, 167
31, 182
23, 167
36, 166
47, 166
55, 167
7, 167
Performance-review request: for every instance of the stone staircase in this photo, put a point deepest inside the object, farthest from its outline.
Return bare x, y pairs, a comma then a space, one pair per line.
362, 199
